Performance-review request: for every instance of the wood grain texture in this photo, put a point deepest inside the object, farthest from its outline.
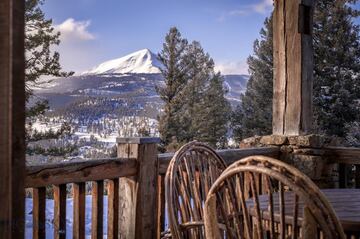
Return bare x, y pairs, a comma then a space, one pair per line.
12, 119
60, 211
39, 206
79, 171
280, 68
293, 67
137, 218
113, 209
97, 210
160, 214
294, 60
128, 194
79, 210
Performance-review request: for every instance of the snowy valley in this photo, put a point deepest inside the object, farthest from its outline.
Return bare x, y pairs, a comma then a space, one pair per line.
116, 98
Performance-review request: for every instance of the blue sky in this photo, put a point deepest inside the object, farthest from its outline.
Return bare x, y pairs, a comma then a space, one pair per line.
94, 31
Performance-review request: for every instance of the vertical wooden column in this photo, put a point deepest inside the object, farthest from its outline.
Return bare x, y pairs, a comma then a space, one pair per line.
60, 211
138, 195
79, 202
293, 67
12, 119
97, 207
39, 208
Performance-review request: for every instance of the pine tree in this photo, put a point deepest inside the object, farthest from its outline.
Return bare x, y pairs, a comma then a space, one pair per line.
254, 115
174, 76
200, 70
40, 60
212, 114
205, 114
337, 66
194, 96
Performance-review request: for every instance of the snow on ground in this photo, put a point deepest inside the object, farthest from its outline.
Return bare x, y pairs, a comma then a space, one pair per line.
69, 217
109, 139
44, 126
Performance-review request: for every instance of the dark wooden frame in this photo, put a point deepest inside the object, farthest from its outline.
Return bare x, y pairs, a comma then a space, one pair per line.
12, 119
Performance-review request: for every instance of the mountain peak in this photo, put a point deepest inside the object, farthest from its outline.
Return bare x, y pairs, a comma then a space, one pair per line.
142, 61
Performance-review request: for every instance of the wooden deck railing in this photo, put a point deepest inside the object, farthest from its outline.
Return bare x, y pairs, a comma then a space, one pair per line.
349, 165
78, 173
134, 185
128, 176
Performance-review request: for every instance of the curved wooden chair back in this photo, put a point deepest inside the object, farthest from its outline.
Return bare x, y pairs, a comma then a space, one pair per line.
191, 172
260, 197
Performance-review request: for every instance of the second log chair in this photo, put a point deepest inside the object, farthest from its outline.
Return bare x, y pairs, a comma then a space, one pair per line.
260, 197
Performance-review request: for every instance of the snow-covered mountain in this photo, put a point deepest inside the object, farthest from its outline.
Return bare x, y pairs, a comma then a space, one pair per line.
140, 62
124, 86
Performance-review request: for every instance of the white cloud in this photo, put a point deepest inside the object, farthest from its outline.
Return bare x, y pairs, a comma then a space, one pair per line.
262, 7
232, 67
72, 30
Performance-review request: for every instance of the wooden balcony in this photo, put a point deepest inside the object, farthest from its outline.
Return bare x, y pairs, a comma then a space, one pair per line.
134, 181
136, 204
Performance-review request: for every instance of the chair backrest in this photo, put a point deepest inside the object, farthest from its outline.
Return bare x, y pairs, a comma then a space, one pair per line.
260, 197
191, 172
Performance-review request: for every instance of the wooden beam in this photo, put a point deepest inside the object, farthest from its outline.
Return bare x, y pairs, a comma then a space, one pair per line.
80, 171
344, 155
293, 67
229, 155
12, 119
138, 195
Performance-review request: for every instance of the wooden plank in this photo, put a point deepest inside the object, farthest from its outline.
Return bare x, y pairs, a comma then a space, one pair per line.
12, 119
293, 67
229, 155
39, 206
279, 58
60, 211
160, 206
343, 155
79, 210
137, 218
294, 59
113, 209
128, 194
79, 171
97, 210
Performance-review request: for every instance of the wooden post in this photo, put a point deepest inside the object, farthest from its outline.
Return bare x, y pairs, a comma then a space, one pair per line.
12, 119
293, 67
138, 194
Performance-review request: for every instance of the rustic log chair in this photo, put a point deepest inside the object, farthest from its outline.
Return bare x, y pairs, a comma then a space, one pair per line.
260, 197
191, 172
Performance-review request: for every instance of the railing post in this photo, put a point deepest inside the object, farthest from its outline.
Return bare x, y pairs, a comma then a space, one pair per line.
138, 194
